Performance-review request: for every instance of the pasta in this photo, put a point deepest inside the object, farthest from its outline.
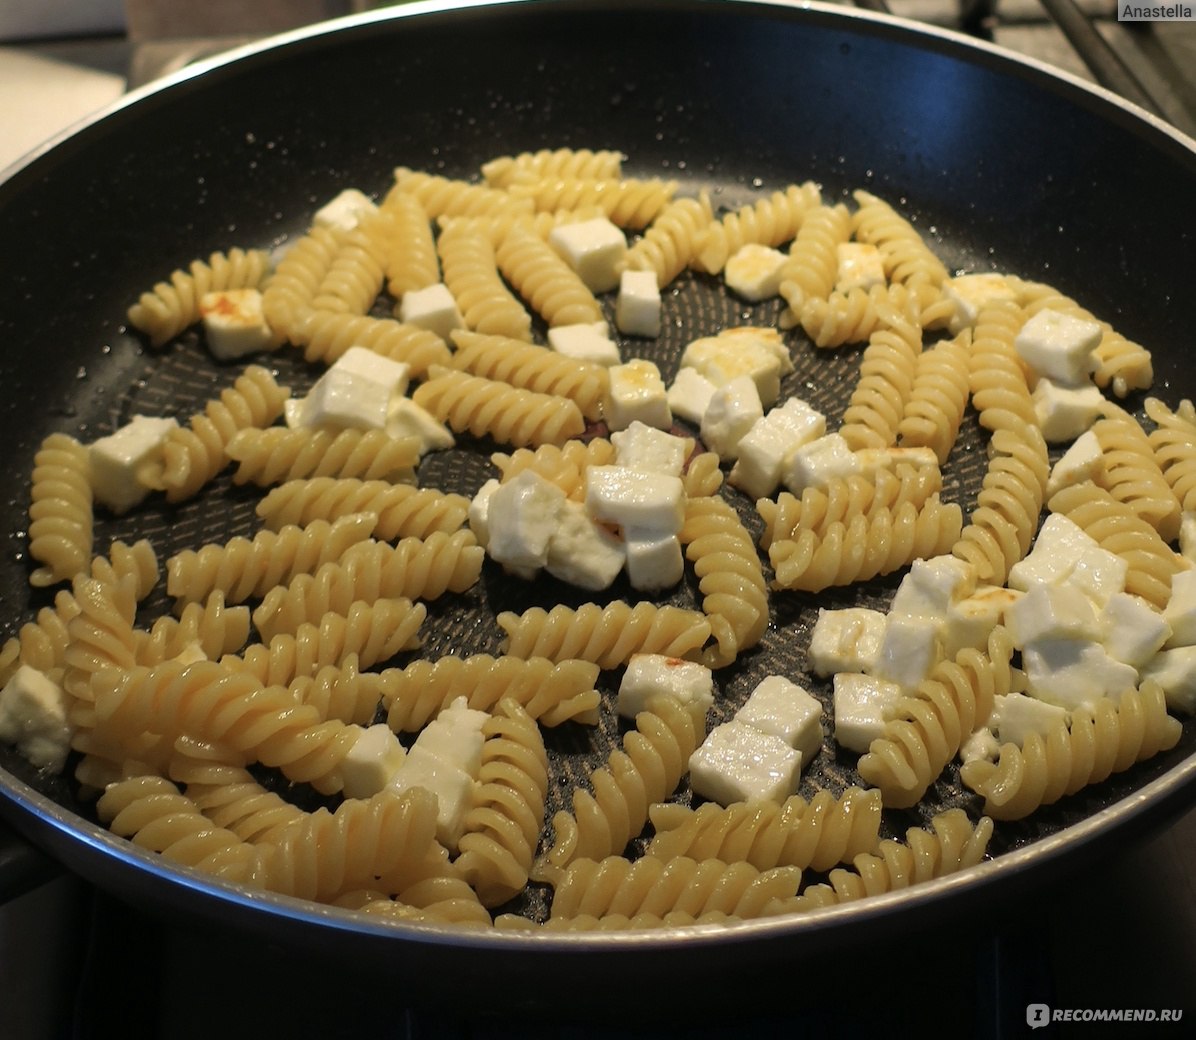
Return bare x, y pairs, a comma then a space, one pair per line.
813, 264
1173, 441
671, 240
287, 299
886, 382
326, 335
507, 170
907, 259
542, 277
937, 400
410, 260
627, 203
278, 454
1132, 475
60, 516
852, 316
563, 465
772, 221
470, 270
354, 277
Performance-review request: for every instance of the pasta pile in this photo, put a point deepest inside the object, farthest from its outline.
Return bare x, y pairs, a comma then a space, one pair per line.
197, 730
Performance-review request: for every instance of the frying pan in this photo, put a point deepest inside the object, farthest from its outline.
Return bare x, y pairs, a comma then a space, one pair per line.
1005, 165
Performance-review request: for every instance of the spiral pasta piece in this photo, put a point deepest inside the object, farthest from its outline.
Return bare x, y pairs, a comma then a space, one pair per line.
550, 692
852, 316
212, 626
938, 398
543, 278
172, 305
730, 575
1117, 528
671, 240
865, 547
1131, 474
193, 455
907, 259
101, 634
243, 568
703, 475
402, 510
41, 643
621, 888
771, 221
287, 298
486, 408
410, 259
502, 828
356, 274
928, 727
997, 374
326, 335
813, 264
60, 511
534, 368
564, 465
814, 834
446, 196
1104, 738
470, 269
607, 636
435, 900
887, 372
612, 808
279, 454
507, 170
1173, 441
232, 800
626, 202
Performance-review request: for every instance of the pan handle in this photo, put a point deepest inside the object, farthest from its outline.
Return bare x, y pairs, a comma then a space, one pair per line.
22, 867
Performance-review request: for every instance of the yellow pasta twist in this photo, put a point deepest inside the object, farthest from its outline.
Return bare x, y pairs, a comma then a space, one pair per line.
534, 368
551, 692
813, 264
865, 547
242, 568
852, 316
1103, 739
173, 305
1131, 473
287, 298
215, 628
326, 335
506, 170
341, 691
907, 259
543, 278
435, 900
194, 454
929, 726
613, 806
486, 408
232, 800
703, 475
771, 221
607, 636
626, 202
279, 454
502, 828
564, 465
997, 375
887, 372
403, 510
355, 277
60, 511
101, 634
814, 834
445, 196
938, 398
409, 245
470, 268
671, 240
1173, 441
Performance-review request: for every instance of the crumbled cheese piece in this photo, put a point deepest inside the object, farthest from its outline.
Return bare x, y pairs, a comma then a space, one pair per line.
1052, 612
860, 267
1174, 671
845, 640
648, 503
980, 745
234, 323
33, 717
653, 561
521, 518
909, 649
455, 736
1131, 630
372, 761
638, 305
1072, 673
479, 510
649, 449
764, 449
1099, 574
370, 366
1059, 542
1018, 716
116, 459
582, 551
739, 763
783, 708
734, 409
1065, 412
433, 308
344, 211
452, 786
754, 272
636, 392
970, 621
738, 352
1180, 612
930, 586
589, 341
819, 462
405, 418
1059, 346
650, 675
969, 293
1187, 535
689, 395
596, 249
1084, 460
862, 704
344, 399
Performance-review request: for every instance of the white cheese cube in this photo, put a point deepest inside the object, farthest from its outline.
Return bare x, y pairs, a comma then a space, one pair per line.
1052, 612
910, 648
764, 449
583, 552
521, 517
862, 704
1072, 673
1059, 346
432, 308
845, 640
1065, 412
653, 562
372, 761
344, 211
982, 744
452, 786
739, 763
638, 305
1083, 461
405, 418
734, 409
293, 409
648, 503
1059, 543
596, 249
651, 675
33, 717
1187, 535
689, 396
754, 272
1131, 630
585, 342
234, 323
479, 511
636, 392
1180, 612
1018, 716
735, 353
1099, 574
115, 460
970, 621
860, 267
969, 293
393, 376
786, 710
1175, 671
819, 462
455, 736
343, 400
649, 449
930, 586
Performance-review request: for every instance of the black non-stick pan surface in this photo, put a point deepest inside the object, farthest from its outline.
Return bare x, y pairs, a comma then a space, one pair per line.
1003, 164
